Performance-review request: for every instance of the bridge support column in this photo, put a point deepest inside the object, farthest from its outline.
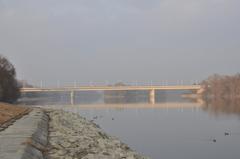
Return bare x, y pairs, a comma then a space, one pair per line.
72, 97
200, 91
152, 96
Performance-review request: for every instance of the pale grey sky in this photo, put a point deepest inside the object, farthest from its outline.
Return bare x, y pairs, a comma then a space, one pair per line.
120, 40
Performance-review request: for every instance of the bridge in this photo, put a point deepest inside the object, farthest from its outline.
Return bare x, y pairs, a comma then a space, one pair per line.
151, 89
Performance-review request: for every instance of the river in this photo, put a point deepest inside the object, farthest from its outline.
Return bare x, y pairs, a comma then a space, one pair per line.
173, 128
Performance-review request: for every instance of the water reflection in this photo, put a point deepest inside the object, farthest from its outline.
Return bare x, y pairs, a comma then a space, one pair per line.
171, 128
166, 130
60, 98
133, 99
220, 106
168, 105
104, 97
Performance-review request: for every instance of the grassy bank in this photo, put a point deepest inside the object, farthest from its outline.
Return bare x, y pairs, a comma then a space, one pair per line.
9, 112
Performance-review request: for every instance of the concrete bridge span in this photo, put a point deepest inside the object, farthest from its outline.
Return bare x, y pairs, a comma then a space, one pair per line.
151, 89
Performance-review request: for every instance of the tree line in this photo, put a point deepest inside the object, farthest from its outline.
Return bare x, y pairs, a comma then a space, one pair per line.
9, 89
222, 86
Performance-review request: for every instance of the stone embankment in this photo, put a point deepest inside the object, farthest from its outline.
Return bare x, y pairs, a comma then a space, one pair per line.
56, 134
73, 137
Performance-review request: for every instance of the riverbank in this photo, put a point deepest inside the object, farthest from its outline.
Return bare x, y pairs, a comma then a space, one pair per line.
73, 137
10, 113
26, 138
56, 134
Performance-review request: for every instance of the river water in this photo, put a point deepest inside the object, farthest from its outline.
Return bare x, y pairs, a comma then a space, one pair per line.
172, 129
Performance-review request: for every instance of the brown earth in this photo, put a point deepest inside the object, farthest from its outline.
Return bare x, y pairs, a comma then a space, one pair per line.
10, 112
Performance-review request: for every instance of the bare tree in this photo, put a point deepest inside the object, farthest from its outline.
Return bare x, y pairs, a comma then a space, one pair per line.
218, 86
9, 91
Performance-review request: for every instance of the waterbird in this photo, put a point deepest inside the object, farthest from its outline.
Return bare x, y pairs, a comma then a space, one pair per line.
226, 133
112, 118
214, 140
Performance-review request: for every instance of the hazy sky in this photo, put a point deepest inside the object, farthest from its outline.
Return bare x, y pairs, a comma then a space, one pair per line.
120, 40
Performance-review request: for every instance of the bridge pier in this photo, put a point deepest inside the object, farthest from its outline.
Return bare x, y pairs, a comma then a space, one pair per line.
200, 91
72, 97
152, 96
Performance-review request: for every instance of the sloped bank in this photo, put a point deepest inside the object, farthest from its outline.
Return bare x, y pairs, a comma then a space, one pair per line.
26, 138
73, 137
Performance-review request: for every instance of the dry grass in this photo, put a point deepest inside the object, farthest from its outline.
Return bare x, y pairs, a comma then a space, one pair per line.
9, 112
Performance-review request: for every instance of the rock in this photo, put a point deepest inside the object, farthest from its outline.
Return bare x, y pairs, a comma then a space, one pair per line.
66, 144
72, 136
72, 140
68, 157
61, 152
130, 157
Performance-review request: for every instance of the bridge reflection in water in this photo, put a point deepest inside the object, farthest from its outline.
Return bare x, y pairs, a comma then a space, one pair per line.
128, 106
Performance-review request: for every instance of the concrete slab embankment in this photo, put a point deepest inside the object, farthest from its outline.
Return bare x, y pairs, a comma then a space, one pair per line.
26, 138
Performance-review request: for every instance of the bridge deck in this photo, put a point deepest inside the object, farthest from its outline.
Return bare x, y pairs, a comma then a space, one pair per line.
112, 88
